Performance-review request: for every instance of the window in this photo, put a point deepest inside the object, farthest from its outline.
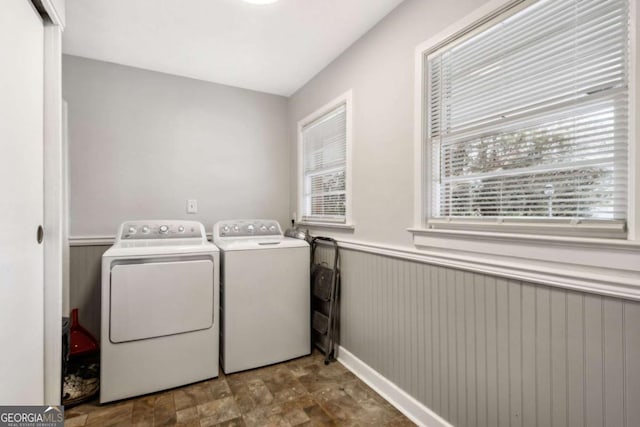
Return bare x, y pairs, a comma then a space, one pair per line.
324, 142
526, 121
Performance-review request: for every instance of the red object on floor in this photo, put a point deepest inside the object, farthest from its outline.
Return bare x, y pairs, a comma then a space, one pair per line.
82, 342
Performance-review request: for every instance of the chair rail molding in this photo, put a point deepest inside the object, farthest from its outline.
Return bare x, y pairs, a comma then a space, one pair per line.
615, 272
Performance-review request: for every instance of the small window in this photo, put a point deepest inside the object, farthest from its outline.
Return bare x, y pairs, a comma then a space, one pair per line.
324, 171
527, 121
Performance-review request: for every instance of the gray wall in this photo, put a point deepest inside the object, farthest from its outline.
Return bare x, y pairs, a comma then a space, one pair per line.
476, 349
380, 69
484, 351
85, 277
141, 143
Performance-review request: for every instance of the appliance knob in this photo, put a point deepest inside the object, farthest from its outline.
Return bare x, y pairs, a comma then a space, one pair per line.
226, 228
236, 228
164, 228
250, 228
132, 230
263, 227
181, 229
272, 228
145, 229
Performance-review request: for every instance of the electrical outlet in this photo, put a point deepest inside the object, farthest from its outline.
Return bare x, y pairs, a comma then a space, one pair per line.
192, 206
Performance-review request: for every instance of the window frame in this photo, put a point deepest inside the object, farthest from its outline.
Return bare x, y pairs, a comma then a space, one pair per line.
345, 99
474, 23
598, 265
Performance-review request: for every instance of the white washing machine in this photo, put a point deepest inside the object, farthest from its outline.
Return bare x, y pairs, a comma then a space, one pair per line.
160, 285
264, 294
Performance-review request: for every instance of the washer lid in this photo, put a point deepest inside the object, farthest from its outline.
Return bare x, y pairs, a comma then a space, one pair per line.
261, 244
175, 247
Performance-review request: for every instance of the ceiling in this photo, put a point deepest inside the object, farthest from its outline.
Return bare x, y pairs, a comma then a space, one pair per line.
269, 48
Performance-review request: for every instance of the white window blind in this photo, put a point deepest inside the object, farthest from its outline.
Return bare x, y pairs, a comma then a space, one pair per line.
324, 167
527, 120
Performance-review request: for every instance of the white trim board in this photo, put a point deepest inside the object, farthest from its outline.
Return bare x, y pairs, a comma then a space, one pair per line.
611, 281
346, 99
56, 11
91, 240
54, 213
404, 402
101, 240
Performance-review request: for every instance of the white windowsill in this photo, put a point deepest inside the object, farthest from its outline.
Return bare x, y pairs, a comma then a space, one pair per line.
603, 266
551, 239
348, 226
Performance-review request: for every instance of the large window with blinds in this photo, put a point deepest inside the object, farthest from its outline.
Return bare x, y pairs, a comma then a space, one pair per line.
323, 148
526, 121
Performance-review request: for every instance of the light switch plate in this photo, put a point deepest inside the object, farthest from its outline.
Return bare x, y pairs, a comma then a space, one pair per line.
192, 206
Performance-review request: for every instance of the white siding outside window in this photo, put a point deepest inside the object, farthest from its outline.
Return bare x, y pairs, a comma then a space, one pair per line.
527, 122
324, 171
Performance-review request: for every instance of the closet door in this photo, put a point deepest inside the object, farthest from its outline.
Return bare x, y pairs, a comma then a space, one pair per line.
21, 204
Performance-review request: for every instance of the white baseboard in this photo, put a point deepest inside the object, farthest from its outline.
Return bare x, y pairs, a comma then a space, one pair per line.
405, 403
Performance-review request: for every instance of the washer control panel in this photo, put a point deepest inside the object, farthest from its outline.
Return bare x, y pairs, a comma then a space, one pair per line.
136, 230
247, 228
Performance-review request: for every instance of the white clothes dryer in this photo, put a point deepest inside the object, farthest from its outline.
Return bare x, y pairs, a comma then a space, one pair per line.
264, 294
159, 329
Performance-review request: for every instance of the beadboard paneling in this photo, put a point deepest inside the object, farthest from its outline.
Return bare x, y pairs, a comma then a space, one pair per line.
84, 286
486, 351
476, 349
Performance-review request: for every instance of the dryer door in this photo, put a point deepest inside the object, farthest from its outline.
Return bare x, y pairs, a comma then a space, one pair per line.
154, 299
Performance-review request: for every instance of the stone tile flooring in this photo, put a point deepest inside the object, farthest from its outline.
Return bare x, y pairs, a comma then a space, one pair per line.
301, 392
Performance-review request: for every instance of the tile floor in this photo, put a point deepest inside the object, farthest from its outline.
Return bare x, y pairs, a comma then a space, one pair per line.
301, 392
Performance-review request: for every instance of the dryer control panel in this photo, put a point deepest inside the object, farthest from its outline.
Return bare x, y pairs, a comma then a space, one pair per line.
136, 230
247, 228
